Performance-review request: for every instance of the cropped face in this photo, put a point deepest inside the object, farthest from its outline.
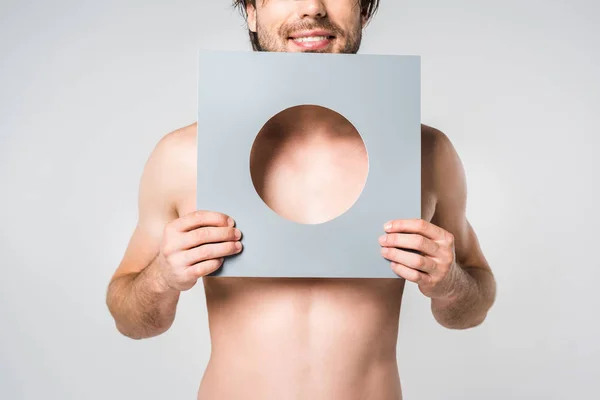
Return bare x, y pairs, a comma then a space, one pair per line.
318, 26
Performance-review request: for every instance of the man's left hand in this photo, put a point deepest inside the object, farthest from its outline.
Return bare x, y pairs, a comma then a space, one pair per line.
423, 253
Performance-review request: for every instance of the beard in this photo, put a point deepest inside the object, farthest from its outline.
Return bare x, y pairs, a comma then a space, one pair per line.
277, 41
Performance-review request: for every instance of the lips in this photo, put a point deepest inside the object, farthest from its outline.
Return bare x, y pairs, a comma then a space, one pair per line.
313, 33
312, 40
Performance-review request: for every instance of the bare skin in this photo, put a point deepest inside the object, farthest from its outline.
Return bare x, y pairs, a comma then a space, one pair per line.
280, 338
291, 151
299, 338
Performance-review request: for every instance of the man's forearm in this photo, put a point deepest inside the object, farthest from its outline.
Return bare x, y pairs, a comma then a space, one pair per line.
141, 305
474, 291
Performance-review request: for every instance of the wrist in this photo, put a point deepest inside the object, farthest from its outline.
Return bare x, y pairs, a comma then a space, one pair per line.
459, 286
161, 284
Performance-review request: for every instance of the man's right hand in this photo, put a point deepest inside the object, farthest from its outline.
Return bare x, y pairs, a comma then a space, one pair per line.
195, 245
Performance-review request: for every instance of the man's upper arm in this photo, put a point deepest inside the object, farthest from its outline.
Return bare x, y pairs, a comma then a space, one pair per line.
156, 208
450, 211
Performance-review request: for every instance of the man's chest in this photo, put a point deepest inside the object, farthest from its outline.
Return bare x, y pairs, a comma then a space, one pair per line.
319, 199
311, 188
314, 184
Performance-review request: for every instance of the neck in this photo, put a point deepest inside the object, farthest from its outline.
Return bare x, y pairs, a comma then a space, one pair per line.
309, 124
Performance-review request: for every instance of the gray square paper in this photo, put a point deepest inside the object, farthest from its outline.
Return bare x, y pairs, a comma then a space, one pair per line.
238, 92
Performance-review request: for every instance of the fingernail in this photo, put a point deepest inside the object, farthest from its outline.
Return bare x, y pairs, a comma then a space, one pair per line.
230, 222
238, 234
388, 225
383, 238
238, 245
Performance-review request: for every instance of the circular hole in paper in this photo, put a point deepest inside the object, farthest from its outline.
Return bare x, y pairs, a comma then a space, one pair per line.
309, 164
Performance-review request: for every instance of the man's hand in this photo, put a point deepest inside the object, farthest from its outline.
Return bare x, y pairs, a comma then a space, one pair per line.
423, 253
195, 245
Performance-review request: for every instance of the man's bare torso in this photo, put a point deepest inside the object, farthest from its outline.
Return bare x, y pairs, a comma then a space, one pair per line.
300, 338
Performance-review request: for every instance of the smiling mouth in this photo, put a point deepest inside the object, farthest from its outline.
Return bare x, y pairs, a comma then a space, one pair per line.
311, 39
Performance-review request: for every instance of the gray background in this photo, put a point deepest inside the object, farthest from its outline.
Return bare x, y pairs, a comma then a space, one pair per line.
88, 87
385, 109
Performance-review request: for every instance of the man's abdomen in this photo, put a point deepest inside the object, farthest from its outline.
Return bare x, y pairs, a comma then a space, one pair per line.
302, 338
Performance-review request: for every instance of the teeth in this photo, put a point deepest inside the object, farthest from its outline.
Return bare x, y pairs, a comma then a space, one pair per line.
310, 39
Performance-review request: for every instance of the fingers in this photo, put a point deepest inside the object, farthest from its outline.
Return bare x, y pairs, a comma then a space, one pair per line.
206, 235
410, 241
420, 226
407, 273
204, 268
408, 259
202, 218
195, 245
210, 251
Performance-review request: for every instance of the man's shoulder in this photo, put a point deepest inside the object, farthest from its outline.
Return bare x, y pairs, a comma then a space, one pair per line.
172, 162
179, 139
443, 164
175, 146
434, 139
438, 151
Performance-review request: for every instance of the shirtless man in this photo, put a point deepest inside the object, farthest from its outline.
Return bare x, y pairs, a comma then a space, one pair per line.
299, 338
